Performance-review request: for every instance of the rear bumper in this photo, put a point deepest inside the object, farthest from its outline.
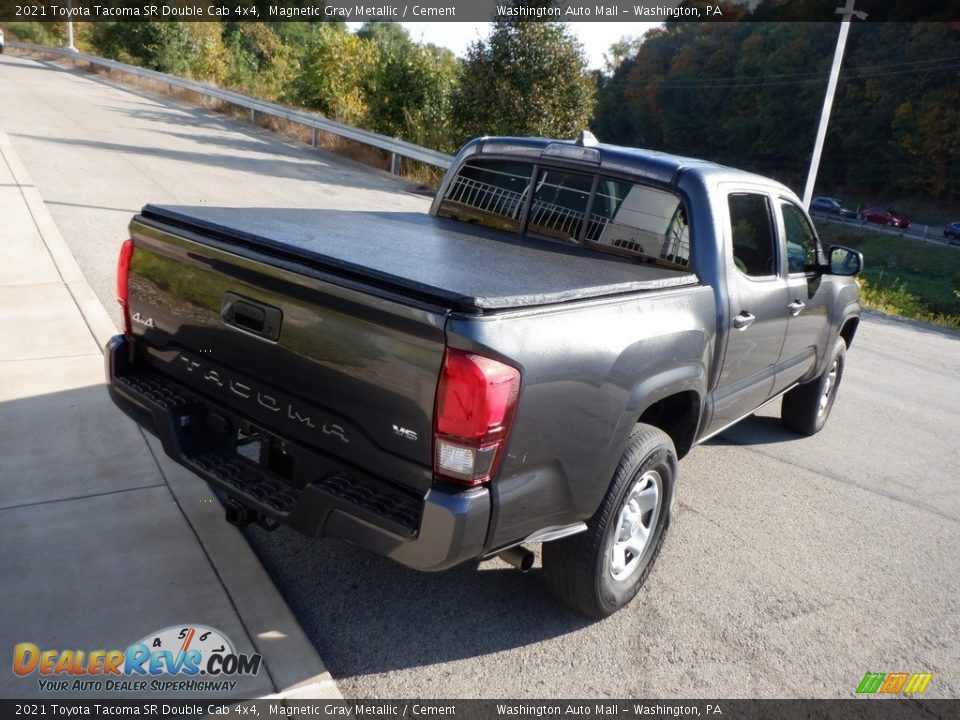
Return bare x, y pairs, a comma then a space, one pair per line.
284, 482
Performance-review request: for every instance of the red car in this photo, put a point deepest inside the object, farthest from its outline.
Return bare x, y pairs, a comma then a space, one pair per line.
884, 217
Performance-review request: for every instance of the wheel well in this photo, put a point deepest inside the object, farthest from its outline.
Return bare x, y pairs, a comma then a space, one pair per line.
849, 330
678, 416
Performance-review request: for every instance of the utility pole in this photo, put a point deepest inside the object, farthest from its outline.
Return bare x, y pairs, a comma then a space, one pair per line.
70, 45
847, 12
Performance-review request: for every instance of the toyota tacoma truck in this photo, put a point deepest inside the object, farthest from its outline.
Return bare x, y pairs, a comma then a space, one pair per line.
526, 363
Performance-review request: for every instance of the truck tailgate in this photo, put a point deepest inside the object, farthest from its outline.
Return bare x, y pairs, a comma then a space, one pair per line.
339, 370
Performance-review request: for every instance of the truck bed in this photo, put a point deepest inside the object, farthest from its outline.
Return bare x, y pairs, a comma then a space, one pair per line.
466, 267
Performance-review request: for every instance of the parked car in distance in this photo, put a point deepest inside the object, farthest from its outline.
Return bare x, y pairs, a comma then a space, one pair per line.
952, 231
880, 216
831, 206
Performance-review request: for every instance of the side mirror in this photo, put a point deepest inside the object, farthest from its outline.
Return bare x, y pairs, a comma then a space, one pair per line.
844, 261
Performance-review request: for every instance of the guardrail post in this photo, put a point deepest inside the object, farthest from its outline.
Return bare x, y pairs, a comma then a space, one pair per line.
393, 164
314, 138
253, 116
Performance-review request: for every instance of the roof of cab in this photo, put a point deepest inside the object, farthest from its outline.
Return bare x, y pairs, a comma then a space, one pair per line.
660, 166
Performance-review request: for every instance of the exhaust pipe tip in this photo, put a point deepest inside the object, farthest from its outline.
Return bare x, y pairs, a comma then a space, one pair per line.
519, 557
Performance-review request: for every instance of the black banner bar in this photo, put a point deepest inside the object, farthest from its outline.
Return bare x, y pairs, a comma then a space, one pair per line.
619, 11
894, 708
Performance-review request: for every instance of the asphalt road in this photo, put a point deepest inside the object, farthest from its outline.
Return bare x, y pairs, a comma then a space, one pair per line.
793, 566
917, 231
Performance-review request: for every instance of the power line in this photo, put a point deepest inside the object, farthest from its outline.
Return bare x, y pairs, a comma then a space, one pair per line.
701, 85
819, 75
861, 73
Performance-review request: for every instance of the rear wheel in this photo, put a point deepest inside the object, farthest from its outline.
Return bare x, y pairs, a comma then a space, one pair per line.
806, 408
599, 571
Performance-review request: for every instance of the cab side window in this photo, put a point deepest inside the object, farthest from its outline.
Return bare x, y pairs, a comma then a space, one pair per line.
801, 239
751, 226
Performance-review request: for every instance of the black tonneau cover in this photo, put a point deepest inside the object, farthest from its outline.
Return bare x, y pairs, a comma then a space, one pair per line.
466, 266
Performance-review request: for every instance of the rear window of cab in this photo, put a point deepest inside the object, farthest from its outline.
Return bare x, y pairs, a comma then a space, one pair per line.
605, 213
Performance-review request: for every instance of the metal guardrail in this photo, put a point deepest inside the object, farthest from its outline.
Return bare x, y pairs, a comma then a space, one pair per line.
926, 233
396, 148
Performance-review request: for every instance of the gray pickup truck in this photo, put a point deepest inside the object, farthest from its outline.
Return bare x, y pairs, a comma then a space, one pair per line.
524, 364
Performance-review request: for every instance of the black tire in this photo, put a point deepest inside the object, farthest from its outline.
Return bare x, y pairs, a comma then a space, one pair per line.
807, 407
579, 569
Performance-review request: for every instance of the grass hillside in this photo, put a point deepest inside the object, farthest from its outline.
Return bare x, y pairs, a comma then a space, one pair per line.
915, 279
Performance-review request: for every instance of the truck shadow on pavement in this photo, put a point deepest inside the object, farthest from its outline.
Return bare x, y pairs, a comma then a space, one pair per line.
366, 614
755, 430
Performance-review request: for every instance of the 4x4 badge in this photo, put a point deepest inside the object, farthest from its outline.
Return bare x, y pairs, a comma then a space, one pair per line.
140, 320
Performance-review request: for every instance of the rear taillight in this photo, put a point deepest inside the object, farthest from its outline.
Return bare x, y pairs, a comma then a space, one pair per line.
123, 290
476, 400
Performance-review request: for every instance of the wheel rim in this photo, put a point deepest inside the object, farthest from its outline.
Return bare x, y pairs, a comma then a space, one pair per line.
830, 383
635, 525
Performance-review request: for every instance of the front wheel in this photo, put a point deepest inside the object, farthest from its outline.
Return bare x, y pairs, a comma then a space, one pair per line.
599, 571
806, 408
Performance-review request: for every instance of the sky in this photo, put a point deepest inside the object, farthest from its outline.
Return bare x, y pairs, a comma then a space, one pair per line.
597, 37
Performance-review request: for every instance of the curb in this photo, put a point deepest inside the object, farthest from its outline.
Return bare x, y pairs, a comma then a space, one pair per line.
295, 668
96, 318
910, 322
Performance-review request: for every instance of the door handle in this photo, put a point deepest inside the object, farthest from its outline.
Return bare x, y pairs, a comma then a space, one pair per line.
743, 320
795, 307
251, 316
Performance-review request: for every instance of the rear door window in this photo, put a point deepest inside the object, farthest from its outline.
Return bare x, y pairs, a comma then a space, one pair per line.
751, 226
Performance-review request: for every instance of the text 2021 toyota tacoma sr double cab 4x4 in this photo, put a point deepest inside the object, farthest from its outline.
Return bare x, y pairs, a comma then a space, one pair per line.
526, 363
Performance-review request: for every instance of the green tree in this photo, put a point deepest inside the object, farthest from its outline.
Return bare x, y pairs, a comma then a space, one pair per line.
261, 63
749, 94
334, 73
527, 78
387, 35
434, 76
620, 51
211, 60
408, 91
37, 33
158, 45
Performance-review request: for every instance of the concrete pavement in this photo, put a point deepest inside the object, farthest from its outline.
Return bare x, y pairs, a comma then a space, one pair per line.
104, 540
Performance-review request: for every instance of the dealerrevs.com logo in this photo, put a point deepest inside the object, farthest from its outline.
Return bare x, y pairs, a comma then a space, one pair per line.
179, 658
